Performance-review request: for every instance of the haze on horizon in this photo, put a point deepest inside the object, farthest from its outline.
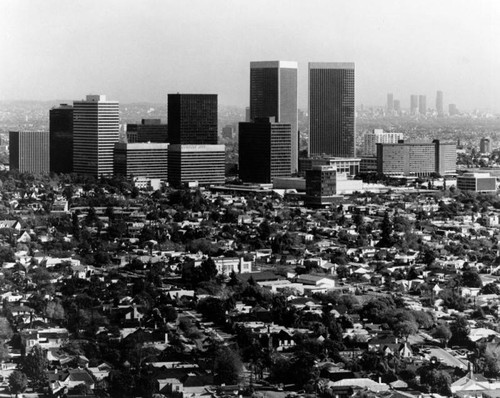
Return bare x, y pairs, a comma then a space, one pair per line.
135, 51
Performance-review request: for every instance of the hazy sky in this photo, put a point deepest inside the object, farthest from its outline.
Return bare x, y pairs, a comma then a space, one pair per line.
141, 50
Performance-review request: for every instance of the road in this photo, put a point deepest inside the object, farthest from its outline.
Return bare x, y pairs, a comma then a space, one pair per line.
447, 358
221, 335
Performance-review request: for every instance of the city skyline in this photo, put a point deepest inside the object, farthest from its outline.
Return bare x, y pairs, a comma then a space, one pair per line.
205, 48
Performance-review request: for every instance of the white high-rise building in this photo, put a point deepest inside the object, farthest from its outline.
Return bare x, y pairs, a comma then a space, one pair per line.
378, 136
96, 128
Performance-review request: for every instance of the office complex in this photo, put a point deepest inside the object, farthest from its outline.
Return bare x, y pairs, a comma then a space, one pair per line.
390, 102
331, 109
485, 146
477, 182
149, 130
192, 119
96, 127
378, 136
439, 103
420, 159
148, 160
264, 150
413, 104
61, 139
397, 106
196, 164
422, 104
321, 185
273, 93
348, 166
29, 151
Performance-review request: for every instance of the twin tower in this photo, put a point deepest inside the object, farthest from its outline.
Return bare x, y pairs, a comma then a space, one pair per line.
273, 95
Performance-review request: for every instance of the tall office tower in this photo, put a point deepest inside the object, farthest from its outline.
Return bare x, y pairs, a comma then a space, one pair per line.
439, 103
228, 131
378, 136
96, 129
196, 164
150, 130
247, 114
321, 186
390, 102
29, 151
264, 150
273, 93
192, 119
453, 110
332, 127
485, 146
148, 160
61, 139
413, 104
397, 105
422, 104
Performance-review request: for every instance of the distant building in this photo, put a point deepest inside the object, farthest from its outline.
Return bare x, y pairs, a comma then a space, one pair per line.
368, 164
29, 151
378, 136
349, 166
439, 103
148, 160
477, 182
192, 119
420, 159
397, 106
198, 164
453, 110
485, 146
273, 93
96, 128
228, 132
413, 104
332, 129
390, 102
422, 104
150, 130
61, 139
264, 150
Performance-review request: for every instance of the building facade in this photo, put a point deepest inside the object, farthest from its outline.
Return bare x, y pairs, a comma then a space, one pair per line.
422, 104
332, 129
273, 93
413, 104
349, 166
149, 130
96, 129
390, 102
477, 182
29, 151
61, 139
196, 164
378, 136
439, 103
485, 146
148, 160
264, 150
419, 159
192, 119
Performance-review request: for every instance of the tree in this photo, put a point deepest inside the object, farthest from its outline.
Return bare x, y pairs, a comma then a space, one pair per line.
406, 328
55, 310
227, 366
34, 366
460, 332
17, 382
442, 333
490, 288
386, 227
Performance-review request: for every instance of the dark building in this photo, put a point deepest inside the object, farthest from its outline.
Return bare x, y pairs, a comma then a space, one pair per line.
422, 104
150, 130
321, 186
413, 104
331, 109
228, 132
148, 160
61, 139
273, 93
264, 150
29, 151
192, 119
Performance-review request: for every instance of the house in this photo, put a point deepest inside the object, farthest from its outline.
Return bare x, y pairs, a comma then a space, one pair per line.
61, 381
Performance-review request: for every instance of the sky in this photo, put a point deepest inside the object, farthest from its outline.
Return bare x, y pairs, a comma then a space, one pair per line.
135, 51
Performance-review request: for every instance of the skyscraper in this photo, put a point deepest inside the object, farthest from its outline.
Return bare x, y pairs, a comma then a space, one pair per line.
148, 160
273, 93
397, 106
150, 130
29, 151
61, 139
485, 146
96, 127
264, 150
192, 119
331, 109
439, 103
422, 104
413, 104
390, 102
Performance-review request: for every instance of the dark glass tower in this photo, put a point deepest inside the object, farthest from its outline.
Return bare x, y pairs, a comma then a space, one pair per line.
264, 150
61, 139
192, 119
331, 109
273, 93
29, 151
